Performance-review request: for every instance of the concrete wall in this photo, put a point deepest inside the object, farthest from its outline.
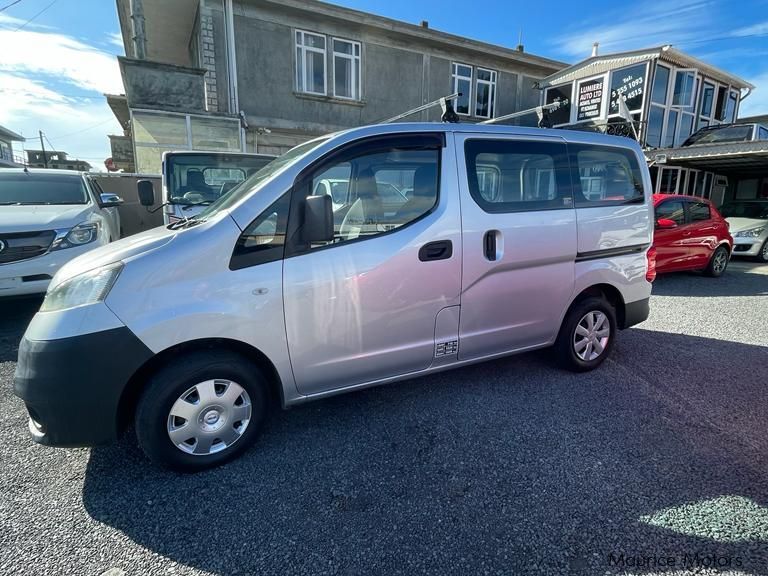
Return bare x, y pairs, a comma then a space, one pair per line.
397, 74
162, 86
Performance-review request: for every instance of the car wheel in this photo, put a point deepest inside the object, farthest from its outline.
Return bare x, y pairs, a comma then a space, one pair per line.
586, 335
718, 262
763, 255
201, 410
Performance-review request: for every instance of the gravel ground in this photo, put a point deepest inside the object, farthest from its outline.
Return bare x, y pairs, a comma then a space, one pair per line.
656, 463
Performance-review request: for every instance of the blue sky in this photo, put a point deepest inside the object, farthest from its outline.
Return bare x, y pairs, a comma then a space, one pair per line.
54, 70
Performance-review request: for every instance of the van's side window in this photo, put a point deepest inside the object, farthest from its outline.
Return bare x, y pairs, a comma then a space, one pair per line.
514, 175
264, 239
377, 189
607, 176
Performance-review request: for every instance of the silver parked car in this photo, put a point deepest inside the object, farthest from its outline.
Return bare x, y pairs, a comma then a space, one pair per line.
748, 220
499, 240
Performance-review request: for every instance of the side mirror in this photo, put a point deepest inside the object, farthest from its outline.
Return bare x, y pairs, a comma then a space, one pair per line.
110, 200
665, 223
146, 192
318, 219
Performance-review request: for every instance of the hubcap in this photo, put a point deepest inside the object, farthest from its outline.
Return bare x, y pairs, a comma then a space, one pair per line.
765, 250
591, 336
721, 259
209, 417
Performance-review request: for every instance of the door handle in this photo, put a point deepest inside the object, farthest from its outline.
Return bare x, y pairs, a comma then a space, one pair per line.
438, 250
489, 245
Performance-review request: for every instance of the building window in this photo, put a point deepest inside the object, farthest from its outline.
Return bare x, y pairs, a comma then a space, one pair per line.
660, 84
346, 69
310, 63
461, 78
485, 93
630, 84
562, 93
730, 107
684, 92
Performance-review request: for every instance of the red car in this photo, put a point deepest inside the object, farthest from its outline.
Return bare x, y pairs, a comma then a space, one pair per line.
690, 235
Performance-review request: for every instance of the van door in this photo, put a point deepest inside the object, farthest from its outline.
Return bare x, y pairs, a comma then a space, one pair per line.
519, 228
363, 307
672, 244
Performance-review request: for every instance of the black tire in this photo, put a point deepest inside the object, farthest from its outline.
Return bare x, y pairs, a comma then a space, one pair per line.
716, 268
565, 345
167, 386
763, 254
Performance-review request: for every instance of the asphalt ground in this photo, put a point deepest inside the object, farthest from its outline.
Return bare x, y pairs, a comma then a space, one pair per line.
654, 464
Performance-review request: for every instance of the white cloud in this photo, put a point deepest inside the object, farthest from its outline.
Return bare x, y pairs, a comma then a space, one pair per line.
652, 24
115, 39
757, 102
61, 57
759, 28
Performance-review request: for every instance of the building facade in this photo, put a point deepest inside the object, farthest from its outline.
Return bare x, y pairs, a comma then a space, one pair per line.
668, 95
55, 159
265, 75
7, 157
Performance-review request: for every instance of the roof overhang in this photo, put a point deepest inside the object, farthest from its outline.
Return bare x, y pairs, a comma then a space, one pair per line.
168, 26
600, 64
119, 105
11, 135
745, 158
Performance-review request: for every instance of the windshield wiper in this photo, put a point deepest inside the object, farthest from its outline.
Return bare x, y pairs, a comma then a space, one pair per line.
25, 203
192, 204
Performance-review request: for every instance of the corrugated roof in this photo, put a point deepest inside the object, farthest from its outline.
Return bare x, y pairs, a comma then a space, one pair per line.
603, 63
746, 156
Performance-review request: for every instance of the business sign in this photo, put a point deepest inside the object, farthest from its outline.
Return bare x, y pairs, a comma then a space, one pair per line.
590, 100
628, 83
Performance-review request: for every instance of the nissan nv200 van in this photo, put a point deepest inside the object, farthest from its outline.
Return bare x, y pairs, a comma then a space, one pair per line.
442, 245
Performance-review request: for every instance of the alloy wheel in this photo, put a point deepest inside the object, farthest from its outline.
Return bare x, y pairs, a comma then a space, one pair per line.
591, 336
720, 261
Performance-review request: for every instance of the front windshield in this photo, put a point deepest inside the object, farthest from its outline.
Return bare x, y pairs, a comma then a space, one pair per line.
755, 210
195, 179
25, 188
720, 135
239, 192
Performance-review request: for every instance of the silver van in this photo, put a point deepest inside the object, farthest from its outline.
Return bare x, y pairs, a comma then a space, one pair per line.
426, 247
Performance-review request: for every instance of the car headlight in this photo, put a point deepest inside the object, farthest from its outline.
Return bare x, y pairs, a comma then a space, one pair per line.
86, 288
751, 233
84, 233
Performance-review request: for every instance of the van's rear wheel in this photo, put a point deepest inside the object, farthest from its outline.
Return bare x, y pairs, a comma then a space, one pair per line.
201, 410
586, 336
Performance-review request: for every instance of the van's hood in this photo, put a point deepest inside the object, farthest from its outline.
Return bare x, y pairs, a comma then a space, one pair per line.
122, 250
37, 218
739, 224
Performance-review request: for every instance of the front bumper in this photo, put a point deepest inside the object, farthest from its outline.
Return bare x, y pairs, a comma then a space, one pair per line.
72, 386
747, 246
32, 276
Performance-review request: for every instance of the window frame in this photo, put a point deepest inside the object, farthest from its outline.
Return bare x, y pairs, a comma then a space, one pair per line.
356, 72
302, 185
455, 78
303, 49
561, 167
579, 200
492, 84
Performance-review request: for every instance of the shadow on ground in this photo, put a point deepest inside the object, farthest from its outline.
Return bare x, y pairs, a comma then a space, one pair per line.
15, 314
505, 467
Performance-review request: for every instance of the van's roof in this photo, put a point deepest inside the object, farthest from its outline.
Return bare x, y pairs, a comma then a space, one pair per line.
568, 135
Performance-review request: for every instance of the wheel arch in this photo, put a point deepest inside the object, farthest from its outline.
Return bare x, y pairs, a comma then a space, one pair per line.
607, 292
129, 398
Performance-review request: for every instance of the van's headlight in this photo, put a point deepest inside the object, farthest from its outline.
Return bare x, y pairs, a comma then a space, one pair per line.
84, 233
86, 288
751, 233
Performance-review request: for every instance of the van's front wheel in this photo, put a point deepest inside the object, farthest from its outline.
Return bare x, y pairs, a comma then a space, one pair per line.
201, 410
586, 336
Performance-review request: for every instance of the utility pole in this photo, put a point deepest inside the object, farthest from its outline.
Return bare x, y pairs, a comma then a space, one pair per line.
45, 156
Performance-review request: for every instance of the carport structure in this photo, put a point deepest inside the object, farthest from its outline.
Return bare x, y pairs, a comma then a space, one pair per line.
731, 171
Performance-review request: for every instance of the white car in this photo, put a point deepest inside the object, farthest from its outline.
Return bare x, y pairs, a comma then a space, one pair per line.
749, 227
47, 218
